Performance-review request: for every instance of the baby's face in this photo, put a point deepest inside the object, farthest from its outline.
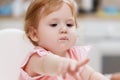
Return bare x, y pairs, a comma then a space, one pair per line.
57, 31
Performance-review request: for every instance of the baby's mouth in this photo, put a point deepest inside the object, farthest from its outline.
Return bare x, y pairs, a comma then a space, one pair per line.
64, 38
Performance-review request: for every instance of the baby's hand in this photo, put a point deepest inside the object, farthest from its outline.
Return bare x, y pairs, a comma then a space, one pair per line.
73, 68
115, 76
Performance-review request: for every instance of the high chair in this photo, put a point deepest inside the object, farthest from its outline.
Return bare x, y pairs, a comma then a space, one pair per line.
14, 46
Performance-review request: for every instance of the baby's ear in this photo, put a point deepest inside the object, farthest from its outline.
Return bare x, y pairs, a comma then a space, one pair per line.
33, 34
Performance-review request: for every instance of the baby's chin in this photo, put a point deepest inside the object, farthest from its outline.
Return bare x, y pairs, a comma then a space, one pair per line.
65, 46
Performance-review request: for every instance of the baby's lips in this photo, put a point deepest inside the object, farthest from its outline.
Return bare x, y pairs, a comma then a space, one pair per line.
63, 38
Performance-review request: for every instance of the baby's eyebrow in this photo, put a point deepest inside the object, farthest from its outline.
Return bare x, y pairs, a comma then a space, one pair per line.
53, 20
69, 19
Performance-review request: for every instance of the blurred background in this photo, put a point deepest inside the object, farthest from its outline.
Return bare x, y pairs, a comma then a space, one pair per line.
99, 26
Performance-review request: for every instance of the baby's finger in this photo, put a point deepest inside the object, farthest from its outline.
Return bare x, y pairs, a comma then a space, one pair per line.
64, 75
77, 76
81, 64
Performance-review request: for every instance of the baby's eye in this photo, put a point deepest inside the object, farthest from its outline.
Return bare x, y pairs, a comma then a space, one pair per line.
53, 25
69, 25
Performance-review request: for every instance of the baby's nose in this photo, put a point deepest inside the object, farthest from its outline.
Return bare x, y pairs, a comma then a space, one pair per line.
63, 30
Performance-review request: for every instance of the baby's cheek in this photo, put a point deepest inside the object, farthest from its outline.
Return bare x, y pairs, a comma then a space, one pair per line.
73, 36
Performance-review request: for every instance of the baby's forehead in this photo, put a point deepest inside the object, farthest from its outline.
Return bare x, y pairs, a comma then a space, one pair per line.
62, 13
50, 8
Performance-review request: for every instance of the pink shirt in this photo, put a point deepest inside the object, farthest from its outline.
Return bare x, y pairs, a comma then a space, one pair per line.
77, 53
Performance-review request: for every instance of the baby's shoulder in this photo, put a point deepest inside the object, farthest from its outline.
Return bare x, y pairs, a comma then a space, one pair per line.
81, 48
40, 51
80, 52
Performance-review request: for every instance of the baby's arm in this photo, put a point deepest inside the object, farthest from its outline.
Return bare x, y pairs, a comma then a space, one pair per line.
51, 65
47, 64
89, 74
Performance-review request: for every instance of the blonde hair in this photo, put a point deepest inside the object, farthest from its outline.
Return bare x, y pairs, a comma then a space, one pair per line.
38, 9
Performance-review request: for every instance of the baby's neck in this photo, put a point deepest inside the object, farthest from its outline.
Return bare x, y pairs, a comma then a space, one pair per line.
64, 54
